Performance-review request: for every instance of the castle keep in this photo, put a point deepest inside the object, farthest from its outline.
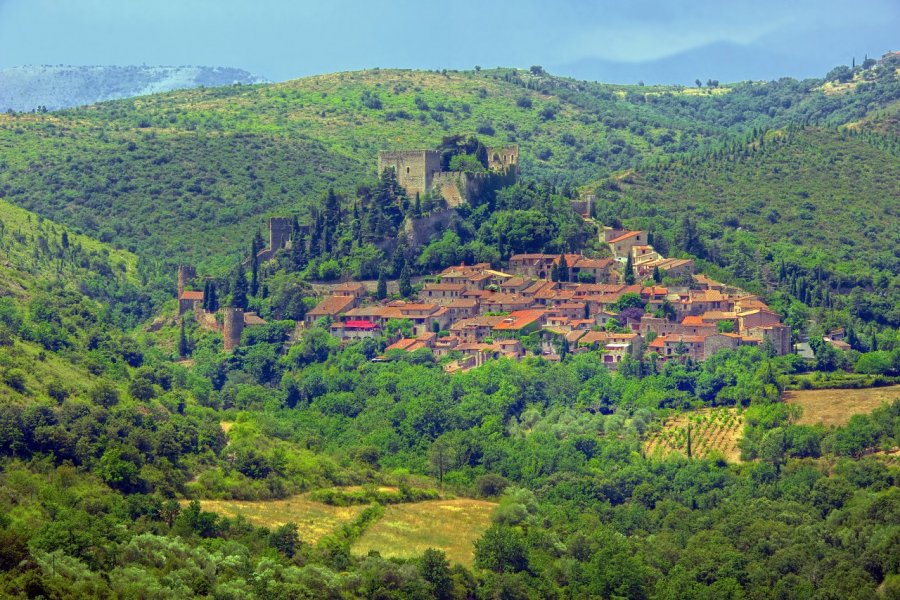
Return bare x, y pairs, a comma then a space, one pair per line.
419, 172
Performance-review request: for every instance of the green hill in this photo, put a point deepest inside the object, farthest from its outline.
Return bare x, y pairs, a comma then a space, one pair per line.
811, 199
188, 175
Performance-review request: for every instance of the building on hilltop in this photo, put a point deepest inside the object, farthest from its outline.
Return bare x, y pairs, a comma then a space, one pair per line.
280, 229
419, 172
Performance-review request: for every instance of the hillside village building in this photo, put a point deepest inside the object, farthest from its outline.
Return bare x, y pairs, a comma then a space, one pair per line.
478, 313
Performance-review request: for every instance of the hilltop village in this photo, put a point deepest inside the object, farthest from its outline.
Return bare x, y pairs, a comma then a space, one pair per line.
535, 304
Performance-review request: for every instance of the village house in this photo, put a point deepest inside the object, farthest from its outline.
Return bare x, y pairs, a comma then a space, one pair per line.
331, 307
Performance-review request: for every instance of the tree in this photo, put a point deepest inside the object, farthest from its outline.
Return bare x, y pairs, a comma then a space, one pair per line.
239, 289
435, 569
563, 268
65, 240
212, 303
657, 277
698, 82
502, 549
439, 458
285, 539
629, 271
183, 347
381, 291
404, 283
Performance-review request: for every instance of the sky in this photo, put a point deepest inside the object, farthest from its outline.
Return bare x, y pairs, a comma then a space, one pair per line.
623, 41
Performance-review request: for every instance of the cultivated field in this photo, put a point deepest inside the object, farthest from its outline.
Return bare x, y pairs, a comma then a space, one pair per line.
712, 430
835, 407
407, 530
313, 519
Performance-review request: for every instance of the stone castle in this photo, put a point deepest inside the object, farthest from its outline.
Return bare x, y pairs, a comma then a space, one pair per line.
419, 172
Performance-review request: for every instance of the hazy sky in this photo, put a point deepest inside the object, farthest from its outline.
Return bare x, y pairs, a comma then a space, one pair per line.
282, 39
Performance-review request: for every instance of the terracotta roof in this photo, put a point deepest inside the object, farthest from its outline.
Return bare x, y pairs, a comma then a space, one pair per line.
520, 319
401, 344
675, 338
332, 305
443, 287
191, 295
593, 263
692, 320
463, 303
624, 236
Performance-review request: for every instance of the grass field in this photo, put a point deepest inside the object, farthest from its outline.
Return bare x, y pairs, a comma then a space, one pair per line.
406, 530
835, 407
313, 519
712, 430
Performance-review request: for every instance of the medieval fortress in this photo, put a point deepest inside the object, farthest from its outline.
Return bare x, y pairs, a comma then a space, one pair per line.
419, 172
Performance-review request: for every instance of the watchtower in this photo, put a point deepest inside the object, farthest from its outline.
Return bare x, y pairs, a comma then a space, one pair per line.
414, 169
233, 327
186, 276
279, 232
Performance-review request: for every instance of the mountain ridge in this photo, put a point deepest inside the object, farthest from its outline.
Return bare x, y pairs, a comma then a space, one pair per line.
40, 87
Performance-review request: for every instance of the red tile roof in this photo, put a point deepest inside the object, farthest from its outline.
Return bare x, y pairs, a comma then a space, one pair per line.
361, 324
624, 236
332, 305
191, 295
520, 319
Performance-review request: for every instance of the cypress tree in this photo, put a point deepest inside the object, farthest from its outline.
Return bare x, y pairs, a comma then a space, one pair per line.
183, 347
657, 276
206, 295
381, 292
629, 271
405, 284
212, 304
239, 289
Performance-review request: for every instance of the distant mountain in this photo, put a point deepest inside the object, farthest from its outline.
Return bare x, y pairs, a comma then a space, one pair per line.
30, 87
721, 60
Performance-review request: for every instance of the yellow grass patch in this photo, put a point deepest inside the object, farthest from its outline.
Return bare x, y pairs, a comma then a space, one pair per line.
407, 530
713, 430
835, 407
313, 519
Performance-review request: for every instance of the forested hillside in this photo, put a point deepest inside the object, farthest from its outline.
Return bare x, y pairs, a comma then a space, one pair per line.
126, 427
820, 204
185, 173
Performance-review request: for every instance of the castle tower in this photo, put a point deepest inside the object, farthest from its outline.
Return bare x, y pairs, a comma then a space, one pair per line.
186, 276
233, 327
415, 169
279, 232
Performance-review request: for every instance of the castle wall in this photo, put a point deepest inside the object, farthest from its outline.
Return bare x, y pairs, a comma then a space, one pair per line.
419, 231
232, 327
454, 187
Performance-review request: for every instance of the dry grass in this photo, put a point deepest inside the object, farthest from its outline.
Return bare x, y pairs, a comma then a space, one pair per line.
835, 407
712, 431
407, 530
313, 519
